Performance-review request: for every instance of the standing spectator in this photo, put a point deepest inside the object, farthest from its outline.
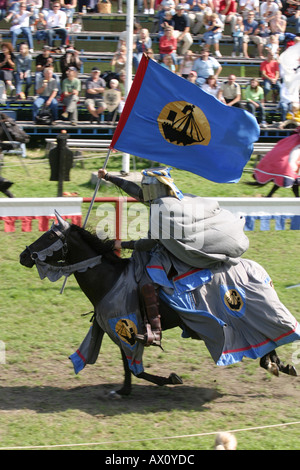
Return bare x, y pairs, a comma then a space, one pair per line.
70, 88
250, 26
56, 24
206, 66
238, 34
47, 90
268, 10
227, 12
213, 33
95, 86
291, 10
143, 43
254, 95
69, 59
182, 30
187, 64
168, 44
270, 74
245, 6
23, 71
230, 92
20, 25
7, 65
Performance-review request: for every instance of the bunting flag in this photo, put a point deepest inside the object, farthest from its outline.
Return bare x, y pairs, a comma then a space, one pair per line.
169, 120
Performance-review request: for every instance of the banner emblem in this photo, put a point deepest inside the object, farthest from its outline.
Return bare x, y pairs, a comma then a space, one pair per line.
184, 124
126, 331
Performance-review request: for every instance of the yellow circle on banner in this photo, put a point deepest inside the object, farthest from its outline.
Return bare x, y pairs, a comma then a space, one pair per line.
126, 330
184, 124
233, 300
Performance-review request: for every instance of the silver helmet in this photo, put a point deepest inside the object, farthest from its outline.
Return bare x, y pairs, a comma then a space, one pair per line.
157, 183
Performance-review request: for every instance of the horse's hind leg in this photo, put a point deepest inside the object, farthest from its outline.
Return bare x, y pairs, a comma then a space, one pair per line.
272, 363
126, 389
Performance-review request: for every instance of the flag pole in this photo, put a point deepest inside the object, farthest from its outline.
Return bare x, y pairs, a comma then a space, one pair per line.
90, 207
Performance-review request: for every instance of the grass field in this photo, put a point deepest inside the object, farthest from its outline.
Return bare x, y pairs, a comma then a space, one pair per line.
42, 402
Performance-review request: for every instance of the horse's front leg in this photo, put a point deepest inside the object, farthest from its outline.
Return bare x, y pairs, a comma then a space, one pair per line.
126, 389
173, 379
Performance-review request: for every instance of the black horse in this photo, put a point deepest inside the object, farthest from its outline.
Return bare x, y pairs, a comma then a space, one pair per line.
10, 137
78, 245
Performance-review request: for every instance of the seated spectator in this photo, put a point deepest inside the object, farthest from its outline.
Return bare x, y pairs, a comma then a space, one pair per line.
168, 44
278, 28
112, 97
291, 10
47, 90
196, 14
149, 9
39, 27
119, 60
230, 92
20, 25
192, 77
44, 59
213, 32
56, 24
227, 12
269, 70
168, 63
182, 30
3, 9
7, 65
268, 10
95, 86
205, 66
167, 20
261, 37
69, 59
143, 43
70, 88
69, 7
23, 71
187, 64
247, 6
254, 95
211, 86
238, 34
165, 6
250, 26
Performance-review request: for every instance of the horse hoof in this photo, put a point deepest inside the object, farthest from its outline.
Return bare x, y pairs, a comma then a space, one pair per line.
113, 395
273, 368
175, 379
290, 370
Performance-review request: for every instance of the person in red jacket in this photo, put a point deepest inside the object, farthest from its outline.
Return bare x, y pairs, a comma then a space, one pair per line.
227, 12
168, 44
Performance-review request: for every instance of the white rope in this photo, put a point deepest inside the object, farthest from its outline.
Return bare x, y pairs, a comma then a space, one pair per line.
89, 444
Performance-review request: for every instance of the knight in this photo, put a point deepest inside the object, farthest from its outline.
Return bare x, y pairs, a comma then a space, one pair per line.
185, 231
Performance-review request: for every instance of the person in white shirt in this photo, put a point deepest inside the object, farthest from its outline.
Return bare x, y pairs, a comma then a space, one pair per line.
56, 24
245, 6
20, 25
268, 10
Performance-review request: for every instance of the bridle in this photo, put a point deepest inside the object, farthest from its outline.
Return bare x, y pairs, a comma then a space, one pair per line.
60, 244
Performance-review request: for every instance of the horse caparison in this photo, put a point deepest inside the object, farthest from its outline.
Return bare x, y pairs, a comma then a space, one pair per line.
82, 245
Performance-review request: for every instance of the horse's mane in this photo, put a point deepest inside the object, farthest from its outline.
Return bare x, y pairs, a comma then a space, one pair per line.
101, 247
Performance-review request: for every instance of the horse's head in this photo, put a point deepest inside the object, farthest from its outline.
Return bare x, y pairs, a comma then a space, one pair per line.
10, 130
50, 247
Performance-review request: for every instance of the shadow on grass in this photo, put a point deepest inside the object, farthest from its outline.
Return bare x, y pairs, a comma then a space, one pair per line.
95, 399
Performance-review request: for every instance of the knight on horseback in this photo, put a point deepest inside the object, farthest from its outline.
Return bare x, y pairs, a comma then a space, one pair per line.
200, 235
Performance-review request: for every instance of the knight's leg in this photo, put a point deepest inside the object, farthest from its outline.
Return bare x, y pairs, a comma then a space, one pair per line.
152, 324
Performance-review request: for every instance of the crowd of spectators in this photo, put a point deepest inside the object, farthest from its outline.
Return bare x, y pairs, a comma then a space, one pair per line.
261, 22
